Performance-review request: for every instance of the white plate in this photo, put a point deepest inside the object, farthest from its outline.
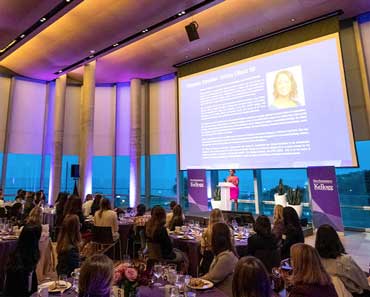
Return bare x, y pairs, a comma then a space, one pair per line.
207, 285
66, 286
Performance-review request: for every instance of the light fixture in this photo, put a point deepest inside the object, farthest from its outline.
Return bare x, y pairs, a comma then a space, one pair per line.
116, 44
92, 51
145, 30
42, 20
292, 19
23, 36
209, 48
181, 13
60, 71
91, 56
68, 1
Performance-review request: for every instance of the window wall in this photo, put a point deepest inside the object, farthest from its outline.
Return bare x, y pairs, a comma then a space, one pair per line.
354, 189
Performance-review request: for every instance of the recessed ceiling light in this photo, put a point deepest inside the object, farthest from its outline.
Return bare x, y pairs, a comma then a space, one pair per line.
23, 36
181, 13
116, 44
60, 71
145, 30
91, 56
186, 57
42, 20
292, 19
92, 51
209, 48
68, 1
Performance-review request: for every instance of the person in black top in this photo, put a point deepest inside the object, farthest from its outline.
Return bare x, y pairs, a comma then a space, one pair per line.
156, 233
96, 204
59, 208
177, 218
68, 246
263, 244
292, 231
21, 278
140, 210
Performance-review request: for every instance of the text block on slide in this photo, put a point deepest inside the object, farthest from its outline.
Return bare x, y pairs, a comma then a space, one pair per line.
197, 190
325, 197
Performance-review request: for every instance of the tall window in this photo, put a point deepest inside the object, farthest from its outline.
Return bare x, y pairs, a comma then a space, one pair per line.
102, 175
67, 182
354, 189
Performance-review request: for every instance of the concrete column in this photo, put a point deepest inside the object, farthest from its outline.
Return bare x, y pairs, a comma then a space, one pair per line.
135, 140
57, 135
257, 183
87, 129
7, 135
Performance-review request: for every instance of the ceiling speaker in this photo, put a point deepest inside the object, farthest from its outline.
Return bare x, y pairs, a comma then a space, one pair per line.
192, 31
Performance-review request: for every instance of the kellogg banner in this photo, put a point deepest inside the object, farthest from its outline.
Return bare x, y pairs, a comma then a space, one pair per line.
197, 190
325, 197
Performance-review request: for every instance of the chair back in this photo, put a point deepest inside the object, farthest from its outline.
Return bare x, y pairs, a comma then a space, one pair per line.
154, 251
2, 212
102, 235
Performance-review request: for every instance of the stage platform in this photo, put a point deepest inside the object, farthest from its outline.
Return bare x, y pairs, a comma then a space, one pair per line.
202, 218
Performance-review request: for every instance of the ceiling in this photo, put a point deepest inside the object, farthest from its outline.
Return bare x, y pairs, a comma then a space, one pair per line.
96, 24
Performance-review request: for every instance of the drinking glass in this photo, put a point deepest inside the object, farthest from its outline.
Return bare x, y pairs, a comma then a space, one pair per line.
187, 279
172, 276
180, 282
235, 225
76, 275
157, 271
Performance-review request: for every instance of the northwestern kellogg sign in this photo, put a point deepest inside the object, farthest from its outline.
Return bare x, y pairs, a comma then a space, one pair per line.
324, 197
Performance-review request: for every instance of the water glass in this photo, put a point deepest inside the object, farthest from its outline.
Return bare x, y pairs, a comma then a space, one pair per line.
157, 271
76, 275
172, 276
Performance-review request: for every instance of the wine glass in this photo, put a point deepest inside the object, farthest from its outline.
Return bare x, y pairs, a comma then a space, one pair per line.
157, 271
234, 223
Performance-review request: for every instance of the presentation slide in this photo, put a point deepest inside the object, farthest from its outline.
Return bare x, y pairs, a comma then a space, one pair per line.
283, 109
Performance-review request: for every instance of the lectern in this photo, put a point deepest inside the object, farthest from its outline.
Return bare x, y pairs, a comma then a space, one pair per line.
225, 195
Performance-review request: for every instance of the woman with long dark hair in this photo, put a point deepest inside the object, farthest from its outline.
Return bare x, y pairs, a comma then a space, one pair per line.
74, 207
21, 279
156, 233
251, 279
292, 231
337, 263
263, 244
59, 208
177, 218
96, 204
223, 265
68, 245
96, 277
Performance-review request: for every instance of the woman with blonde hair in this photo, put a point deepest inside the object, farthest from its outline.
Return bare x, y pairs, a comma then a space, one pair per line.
106, 217
215, 217
309, 278
285, 90
35, 216
278, 222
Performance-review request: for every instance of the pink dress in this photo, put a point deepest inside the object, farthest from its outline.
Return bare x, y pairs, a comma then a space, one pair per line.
234, 192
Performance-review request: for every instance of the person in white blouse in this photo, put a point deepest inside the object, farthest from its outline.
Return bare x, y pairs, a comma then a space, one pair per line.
86, 207
106, 217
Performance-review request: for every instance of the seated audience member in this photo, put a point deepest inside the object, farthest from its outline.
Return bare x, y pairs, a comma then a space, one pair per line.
278, 222
21, 278
96, 204
74, 207
59, 208
140, 210
337, 263
96, 276
35, 216
263, 244
40, 198
86, 207
106, 217
309, 278
206, 240
170, 213
177, 218
68, 244
222, 267
292, 231
156, 233
29, 204
251, 279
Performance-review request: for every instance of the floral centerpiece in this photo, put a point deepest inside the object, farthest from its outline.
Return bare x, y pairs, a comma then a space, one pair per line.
130, 276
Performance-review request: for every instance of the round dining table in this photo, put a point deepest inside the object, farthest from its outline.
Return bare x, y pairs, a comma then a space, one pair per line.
191, 247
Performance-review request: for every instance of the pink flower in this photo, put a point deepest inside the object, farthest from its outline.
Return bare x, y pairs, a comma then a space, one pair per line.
131, 274
117, 277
